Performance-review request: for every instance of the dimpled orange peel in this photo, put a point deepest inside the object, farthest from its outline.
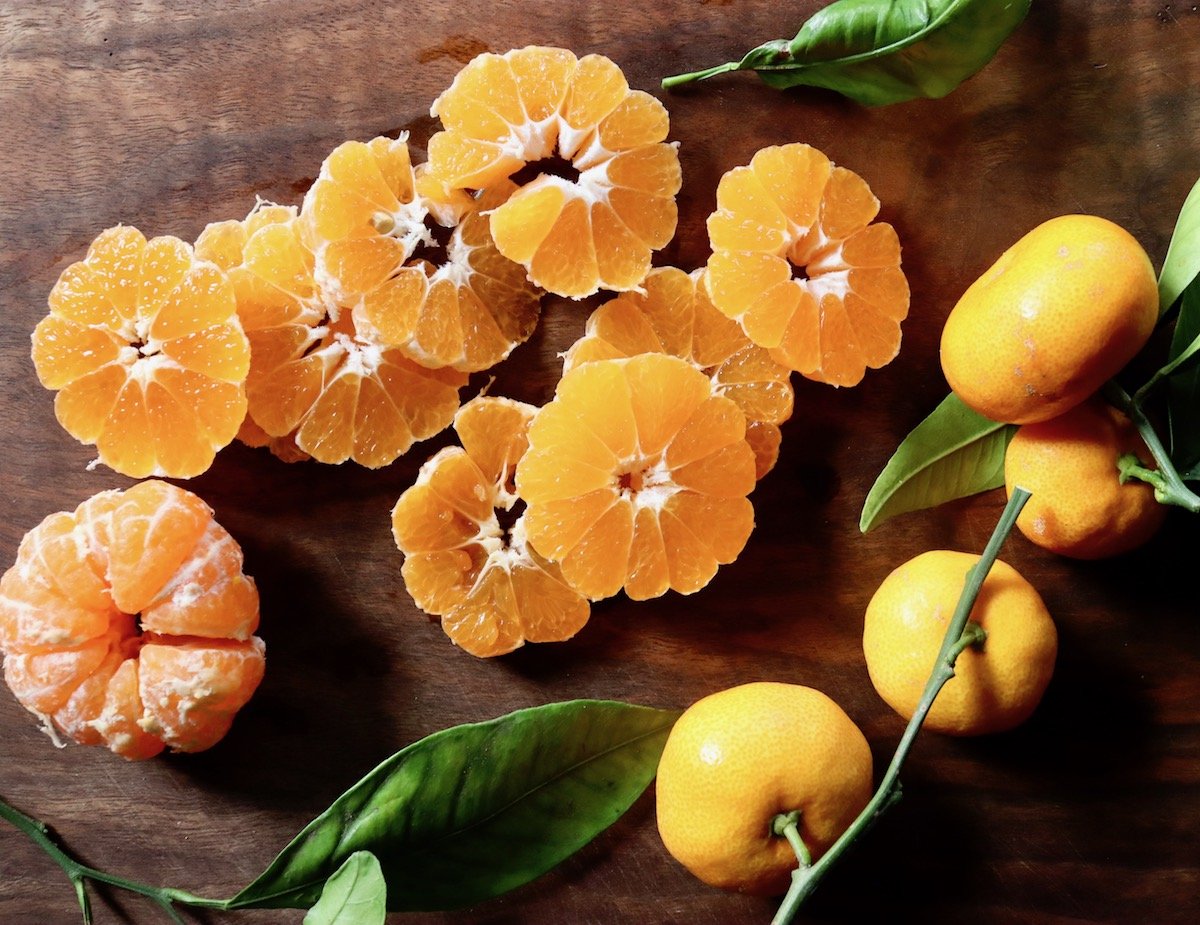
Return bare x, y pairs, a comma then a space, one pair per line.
128, 623
603, 197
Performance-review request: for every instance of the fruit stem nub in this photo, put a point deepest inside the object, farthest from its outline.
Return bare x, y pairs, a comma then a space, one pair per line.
960, 634
1168, 486
788, 825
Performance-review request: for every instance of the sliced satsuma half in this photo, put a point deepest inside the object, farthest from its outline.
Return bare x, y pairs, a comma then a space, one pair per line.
145, 350
601, 196
636, 477
492, 591
315, 376
799, 264
674, 315
129, 623
466, 307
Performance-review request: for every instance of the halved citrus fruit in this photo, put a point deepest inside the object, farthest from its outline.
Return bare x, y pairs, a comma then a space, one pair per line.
145, 350
492, 591
636, 477
315, 374
603, 197
129, 623
799, 264
674, 315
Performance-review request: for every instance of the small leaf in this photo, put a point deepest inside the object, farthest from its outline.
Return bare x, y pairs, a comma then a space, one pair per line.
1183, 254
470, 812
953, 453
885, 51
1183, 388
356, 894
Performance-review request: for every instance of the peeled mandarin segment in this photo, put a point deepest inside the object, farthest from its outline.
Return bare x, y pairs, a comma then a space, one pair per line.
126, 440
727, 473
521, 225
115, 262
179, 446
848, 204
649, 569
166, 265
34, 617
764, 439
463, 162
43, 681
154, 530
671, 307
219, 352
392, 310
653, 170
77, 716
327, 433
486, 623
690, 561
598, 394
565, 261
598, 563
597, 88
747, 217
395, 166
438, 581
494, 433
744, 286
261, 305
723, 524
59, 547
638, 120
352, 165
622, 258
216, 407
795, 177
277, 257
716, 423
83, 406
190, 691
117, 723
543, 76
361, 265
439, 335
64, 351
556, 526
488, 81
80, 296
222, 243
663, 396
550, 610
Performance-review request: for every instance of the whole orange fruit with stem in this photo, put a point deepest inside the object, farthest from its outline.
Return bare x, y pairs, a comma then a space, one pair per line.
1080, 507
738, 758
1061, 312
996, 686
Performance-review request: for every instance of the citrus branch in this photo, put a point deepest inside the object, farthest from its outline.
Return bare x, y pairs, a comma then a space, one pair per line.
1168, 486
79, 874
960, 634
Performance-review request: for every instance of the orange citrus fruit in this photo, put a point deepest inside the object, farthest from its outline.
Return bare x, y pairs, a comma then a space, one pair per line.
738, 758
145, 350
674, 315
492, 591
282, 448
1079, 506
369, 218
128, 623
1060, 313
799, 263
317, 374
636, 477
996, 686
606, 198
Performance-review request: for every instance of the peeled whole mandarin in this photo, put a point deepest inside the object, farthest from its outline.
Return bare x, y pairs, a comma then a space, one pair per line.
1062, 311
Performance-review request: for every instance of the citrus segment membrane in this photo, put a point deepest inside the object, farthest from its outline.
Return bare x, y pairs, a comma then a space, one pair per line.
603, 197
636, 478
492, 591
145, 350
673, 315
798, 262
129, 623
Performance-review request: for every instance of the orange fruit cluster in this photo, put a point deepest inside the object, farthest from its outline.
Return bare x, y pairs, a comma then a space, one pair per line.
128, 623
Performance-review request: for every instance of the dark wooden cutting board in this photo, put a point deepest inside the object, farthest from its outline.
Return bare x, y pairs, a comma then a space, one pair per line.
171, 115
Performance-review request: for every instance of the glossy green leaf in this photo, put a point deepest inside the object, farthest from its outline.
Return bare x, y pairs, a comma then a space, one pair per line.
883, 51
953, 453
473, 811
1183, 255
356, 894
1183, 388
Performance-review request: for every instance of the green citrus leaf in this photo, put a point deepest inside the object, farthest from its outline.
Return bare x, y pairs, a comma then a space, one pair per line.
884, 51
470, 812
1183, 255
1183, 388
953, 453
356, 894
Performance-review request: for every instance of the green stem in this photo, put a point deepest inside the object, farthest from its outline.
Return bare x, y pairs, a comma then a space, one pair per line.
959, 635
1168, 486
79, 874
679, 80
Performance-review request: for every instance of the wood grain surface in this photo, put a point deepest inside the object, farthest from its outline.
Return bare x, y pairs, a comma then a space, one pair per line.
171, 115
